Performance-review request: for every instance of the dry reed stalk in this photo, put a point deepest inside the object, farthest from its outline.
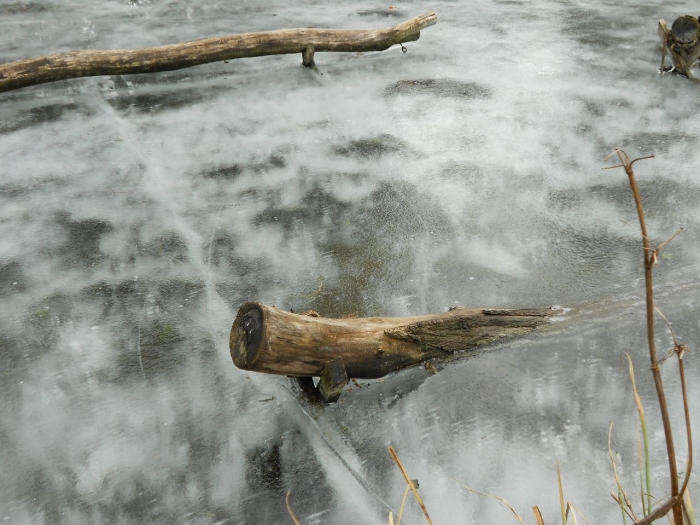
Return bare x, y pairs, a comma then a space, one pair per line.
410, 483
675, 501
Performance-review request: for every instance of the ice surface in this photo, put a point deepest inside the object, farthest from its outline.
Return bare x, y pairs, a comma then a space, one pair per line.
138, 213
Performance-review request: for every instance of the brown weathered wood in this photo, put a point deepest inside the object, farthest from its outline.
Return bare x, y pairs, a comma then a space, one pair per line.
685, 29
74, 64
681, 43
307, 56
266, 339
333, 379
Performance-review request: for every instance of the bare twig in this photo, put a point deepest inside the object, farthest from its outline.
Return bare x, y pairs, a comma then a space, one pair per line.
658, 248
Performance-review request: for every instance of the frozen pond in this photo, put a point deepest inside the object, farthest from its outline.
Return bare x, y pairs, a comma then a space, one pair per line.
138, 213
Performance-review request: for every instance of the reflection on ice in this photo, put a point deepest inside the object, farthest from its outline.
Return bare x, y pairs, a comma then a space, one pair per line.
138, 213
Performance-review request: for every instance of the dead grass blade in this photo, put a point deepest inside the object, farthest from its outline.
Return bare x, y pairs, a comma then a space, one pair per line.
640, 466
646, 507
497, 498
573, 507
410, 484
289, 509
538, 515
403, 503
619, 498
688, 507
570, 507
561, 496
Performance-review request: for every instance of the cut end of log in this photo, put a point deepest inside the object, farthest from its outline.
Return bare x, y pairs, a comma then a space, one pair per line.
685, 29
681, 43
246, 335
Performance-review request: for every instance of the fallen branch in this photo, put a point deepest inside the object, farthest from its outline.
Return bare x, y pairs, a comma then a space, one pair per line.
266, 339
75, 64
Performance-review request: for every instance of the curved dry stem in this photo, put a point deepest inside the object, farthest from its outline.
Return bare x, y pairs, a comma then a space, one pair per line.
673, 334
689, 432
497, 498
403, 504
289, 509
640, 158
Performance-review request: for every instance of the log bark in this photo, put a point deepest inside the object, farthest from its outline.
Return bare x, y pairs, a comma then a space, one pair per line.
307, 41
266, 339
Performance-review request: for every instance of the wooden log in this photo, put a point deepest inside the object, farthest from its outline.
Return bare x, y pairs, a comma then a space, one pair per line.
74, 64
266, 339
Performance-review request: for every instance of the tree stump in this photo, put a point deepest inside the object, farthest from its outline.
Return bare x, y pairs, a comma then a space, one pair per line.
685, 29
681, 43
266, 339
